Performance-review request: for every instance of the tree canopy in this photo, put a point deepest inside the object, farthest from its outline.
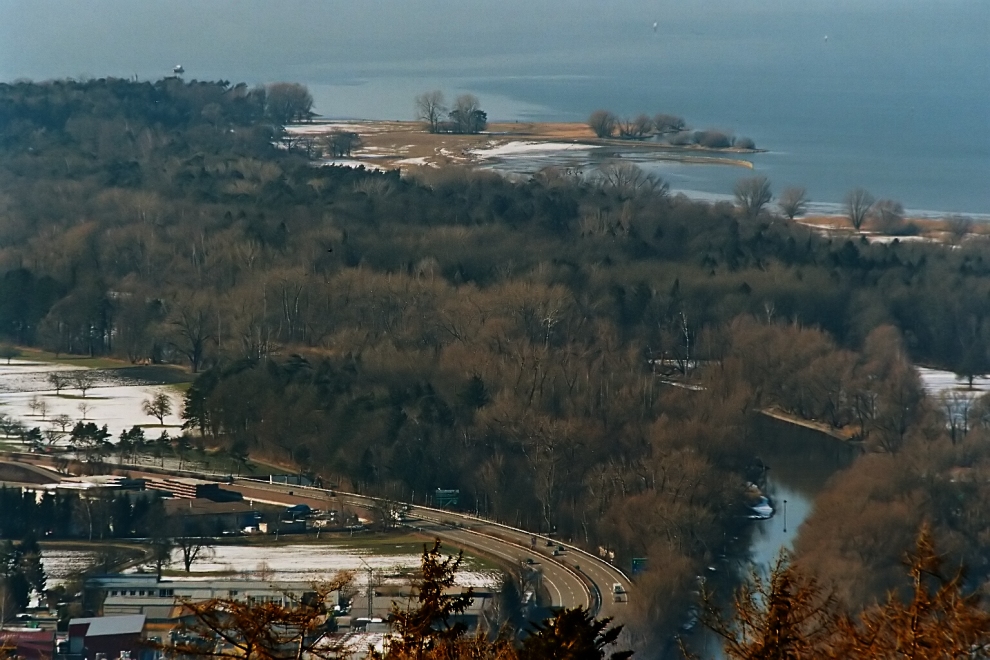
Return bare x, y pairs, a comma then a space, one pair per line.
585, 355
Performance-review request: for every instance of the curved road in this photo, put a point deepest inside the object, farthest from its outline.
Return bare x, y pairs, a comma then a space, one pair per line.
572, 579
575, 578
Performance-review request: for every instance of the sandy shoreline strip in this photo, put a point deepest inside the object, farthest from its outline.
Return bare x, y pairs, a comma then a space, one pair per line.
406, 145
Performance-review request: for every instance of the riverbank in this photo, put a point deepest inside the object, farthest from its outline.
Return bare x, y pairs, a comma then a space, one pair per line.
844, 434
407, 145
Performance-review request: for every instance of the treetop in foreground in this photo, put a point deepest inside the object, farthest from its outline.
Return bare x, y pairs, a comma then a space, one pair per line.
787, 615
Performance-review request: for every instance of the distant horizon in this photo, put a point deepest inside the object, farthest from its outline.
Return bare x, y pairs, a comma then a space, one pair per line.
888, 102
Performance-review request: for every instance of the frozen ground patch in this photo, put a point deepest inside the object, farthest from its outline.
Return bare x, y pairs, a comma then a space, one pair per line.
60, 564
936, 381
900, 239
24, 376
303, 562
526, 148
327, 127
420, 161
108, 402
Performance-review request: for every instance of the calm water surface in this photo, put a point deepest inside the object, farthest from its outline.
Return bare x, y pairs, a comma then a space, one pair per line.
800, 464
897, 99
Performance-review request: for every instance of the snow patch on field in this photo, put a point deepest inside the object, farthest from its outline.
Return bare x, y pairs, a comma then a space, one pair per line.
118, 406
300, 562
936, 381
900, 239
420, 161
517, 148
60, 565
329, 127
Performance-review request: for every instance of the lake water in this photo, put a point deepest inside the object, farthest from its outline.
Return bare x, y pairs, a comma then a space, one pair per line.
896, 100
800, 462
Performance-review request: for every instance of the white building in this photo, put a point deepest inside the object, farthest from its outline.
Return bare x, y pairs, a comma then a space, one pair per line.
144, 593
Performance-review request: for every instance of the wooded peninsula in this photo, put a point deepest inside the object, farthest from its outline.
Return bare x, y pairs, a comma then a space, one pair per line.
587, 356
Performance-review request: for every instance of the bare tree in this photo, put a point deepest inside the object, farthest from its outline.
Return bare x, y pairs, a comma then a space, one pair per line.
857, 205
793, 201
630, 179
193, 324
193, 548
342, 143
979, 412
159, 406
636, 127
388, 512
467, 116
430, 108
603, 123
285, 102
83, 380
161, 551
9, 352
58, 381
62, 421
752, 194
958, 226
887, 215
643, 125
53, 435
264, 572
957, 408
664, 123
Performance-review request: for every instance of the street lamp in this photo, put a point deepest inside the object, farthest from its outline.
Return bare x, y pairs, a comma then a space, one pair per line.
785, 516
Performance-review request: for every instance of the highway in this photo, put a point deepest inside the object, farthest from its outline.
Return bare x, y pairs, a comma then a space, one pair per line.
574, 578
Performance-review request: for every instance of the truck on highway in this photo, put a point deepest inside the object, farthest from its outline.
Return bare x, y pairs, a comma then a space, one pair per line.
618, 592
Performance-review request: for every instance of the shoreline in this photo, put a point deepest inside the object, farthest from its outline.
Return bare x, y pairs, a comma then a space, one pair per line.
929, 230
406, 146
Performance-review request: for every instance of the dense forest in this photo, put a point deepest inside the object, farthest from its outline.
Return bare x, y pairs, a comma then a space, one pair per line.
583, 356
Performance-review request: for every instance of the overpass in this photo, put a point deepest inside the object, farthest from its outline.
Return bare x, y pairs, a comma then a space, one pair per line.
572, 578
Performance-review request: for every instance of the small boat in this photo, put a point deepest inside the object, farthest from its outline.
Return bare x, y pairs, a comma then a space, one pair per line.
761, 510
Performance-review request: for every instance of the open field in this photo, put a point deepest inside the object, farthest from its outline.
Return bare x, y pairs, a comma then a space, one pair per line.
115, 399
66, 559
407, 146
931, 230
937, 381
394, 560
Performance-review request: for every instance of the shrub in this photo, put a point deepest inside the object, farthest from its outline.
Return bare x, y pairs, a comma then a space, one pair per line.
603, 123
681, 139
713, 139
668, 124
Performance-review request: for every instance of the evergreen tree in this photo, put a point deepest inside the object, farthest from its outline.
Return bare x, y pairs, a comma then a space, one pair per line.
429, 625
572, 634
31, 563
12, 578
